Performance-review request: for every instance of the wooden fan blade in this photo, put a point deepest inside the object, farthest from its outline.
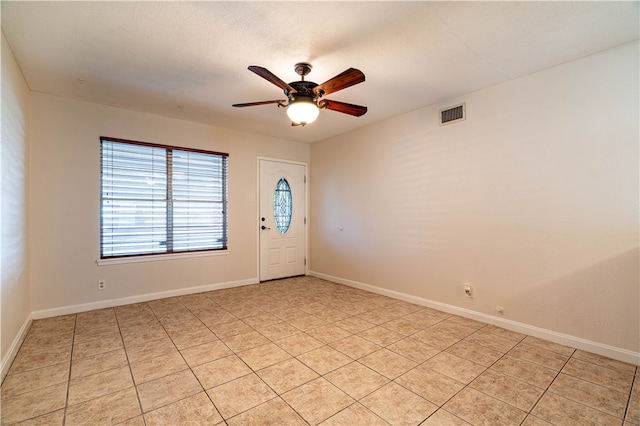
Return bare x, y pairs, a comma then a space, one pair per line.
341, 81
260, 103
343, 107
271, 77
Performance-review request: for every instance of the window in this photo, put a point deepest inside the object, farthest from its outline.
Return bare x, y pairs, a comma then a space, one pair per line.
161, 199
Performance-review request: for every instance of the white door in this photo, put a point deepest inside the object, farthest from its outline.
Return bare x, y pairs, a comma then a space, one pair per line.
282, 220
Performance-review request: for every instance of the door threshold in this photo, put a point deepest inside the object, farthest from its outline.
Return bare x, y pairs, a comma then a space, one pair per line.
283, 278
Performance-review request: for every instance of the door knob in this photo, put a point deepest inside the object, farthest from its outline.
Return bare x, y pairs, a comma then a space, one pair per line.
264, 227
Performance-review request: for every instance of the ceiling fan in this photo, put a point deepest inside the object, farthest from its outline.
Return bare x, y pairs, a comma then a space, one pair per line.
305, 98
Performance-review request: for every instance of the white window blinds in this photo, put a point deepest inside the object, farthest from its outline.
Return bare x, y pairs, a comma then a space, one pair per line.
161, 199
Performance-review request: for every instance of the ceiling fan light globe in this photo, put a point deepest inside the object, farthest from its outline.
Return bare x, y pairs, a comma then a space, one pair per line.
303, 111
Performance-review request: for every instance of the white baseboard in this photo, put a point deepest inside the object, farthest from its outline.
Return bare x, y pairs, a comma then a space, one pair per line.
15, 346
74, 309
553, 336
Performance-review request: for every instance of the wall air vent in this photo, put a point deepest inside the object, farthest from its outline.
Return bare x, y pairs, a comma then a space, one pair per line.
452, 114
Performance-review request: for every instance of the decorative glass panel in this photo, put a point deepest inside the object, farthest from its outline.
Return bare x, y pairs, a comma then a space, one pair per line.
282, 205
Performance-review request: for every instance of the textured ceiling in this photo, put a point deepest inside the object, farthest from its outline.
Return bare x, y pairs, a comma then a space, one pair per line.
189, 59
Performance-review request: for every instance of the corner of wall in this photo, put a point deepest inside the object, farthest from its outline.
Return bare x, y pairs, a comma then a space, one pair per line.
15, 281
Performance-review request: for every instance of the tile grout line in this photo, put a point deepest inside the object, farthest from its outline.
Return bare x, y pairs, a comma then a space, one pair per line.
128, 365
220, 340
585, 379
126, 354
593, 383
404, 336
506, 353
73, 342
248, 366
234, 353
549, 385
296, 358
633, 385
441, 407
596, 384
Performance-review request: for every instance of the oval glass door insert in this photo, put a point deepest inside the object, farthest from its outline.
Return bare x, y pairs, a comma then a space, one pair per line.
282, 205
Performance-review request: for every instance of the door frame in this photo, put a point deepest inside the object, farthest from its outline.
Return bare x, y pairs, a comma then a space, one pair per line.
306, 209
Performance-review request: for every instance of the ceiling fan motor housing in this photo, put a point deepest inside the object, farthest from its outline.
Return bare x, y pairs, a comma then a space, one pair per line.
302, 88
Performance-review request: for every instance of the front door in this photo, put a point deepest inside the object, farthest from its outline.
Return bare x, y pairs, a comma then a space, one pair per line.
282, 220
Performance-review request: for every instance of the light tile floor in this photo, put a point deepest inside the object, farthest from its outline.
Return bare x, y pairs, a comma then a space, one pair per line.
304, 351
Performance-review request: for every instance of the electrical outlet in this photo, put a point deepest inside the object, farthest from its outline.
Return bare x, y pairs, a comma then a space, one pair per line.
102, 284
468, 289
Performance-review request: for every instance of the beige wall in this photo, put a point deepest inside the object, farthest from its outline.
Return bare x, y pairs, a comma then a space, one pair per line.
533, 200
15, 306
64, 225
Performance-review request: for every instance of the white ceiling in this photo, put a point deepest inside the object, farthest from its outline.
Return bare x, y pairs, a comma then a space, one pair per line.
189, 59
